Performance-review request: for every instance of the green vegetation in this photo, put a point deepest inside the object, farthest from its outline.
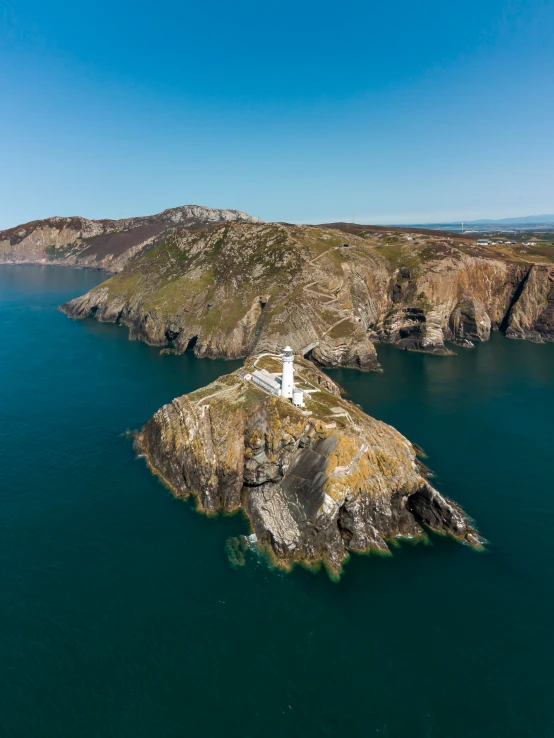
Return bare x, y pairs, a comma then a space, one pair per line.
58, 252
342, 330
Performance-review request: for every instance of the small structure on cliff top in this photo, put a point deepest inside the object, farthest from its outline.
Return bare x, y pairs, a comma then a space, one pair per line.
280, 385
266, 381
298, 397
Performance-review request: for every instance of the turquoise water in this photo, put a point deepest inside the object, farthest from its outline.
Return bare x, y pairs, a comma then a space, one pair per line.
121, 617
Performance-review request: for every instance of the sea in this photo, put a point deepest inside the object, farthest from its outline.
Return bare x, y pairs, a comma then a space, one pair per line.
122, 615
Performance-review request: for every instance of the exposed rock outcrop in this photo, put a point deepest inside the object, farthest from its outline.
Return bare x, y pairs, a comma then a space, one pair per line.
532, 315
470, 321
314, 484
240, 288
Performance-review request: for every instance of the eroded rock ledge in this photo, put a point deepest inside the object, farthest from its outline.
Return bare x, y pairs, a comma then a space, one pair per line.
315, 484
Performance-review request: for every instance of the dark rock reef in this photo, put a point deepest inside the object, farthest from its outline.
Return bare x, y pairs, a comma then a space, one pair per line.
315, 483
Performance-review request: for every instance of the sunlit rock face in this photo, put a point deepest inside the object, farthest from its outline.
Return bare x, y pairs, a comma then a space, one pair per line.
532, 315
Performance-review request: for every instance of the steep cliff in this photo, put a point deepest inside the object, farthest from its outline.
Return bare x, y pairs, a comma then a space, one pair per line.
239, 288
532, 315
102, 244
315, 483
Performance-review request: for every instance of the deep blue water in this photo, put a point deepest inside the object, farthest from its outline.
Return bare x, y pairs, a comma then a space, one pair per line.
121, 616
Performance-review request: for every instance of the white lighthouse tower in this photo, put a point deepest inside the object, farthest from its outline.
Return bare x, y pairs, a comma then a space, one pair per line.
287, 380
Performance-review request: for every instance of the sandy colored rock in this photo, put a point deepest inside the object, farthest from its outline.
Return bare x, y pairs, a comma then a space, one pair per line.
532, 316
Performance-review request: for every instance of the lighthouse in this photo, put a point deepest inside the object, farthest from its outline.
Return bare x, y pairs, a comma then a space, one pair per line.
287, 380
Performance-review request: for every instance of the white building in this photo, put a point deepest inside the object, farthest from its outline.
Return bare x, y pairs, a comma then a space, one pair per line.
287, 383
297, 397
266, 381
280, 385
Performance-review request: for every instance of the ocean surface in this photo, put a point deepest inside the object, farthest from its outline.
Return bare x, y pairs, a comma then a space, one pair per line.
121, 617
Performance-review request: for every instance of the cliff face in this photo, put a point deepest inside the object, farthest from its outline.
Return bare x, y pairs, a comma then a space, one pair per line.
102, 244
314, 484
240, 288
532, 315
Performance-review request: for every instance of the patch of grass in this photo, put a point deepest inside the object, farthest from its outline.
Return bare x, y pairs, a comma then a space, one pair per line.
173, 294
342, 330
59, 252
122, 284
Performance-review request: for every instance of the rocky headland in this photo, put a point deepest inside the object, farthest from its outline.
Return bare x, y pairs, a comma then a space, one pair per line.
102, 244
236, 289
315, 483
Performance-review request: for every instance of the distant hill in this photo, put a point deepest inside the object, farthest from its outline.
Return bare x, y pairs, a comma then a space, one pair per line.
522, 223
103, 244
522, 220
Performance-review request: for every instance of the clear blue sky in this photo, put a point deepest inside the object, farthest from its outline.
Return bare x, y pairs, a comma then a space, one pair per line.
297, 110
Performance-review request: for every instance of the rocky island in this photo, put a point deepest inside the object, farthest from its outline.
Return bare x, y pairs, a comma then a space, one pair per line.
315, 481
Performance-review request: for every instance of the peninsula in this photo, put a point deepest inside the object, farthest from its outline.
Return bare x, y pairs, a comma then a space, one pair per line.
236, 289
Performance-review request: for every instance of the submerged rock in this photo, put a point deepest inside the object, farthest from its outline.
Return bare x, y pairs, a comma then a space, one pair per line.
315, 483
